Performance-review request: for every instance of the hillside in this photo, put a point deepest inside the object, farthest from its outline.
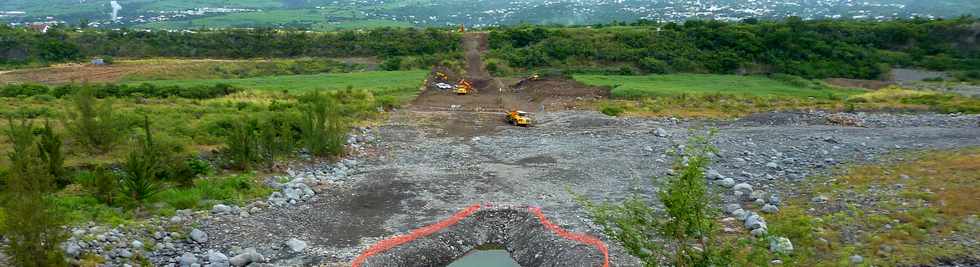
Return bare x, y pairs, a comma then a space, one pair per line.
325, 15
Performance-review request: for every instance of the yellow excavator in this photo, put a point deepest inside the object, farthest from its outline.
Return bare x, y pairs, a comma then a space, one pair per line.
518, 118
463, 87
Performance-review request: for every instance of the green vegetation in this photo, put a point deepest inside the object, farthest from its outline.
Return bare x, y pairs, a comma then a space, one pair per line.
65, 45
688, 222
811, 49
635, 87
30, 222
921, 199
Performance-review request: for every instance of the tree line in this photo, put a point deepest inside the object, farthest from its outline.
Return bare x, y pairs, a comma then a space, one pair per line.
20, 46
812, 49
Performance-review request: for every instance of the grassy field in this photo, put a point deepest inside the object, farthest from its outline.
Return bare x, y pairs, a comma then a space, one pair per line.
901, 213
701, 84
375, 81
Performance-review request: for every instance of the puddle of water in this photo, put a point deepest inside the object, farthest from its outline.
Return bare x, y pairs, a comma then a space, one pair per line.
485, 258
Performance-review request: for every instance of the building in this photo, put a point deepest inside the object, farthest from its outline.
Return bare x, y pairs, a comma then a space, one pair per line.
43, 28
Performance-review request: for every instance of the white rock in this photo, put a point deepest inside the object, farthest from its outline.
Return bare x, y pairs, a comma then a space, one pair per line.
754, 221
187, 259
136, 244
714, 175
732, 208
217, 259
740, 214
727, 182
296, 245
743, 187
199, 236
781, 245
220, 209
856, 259
73, 249
759, 232
768, 208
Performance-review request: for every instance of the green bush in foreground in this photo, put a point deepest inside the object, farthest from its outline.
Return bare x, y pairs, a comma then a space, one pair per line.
141, 168
31, 225
324, 128
688, 223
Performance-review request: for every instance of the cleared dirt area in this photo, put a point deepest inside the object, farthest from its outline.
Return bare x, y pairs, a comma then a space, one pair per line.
482, 111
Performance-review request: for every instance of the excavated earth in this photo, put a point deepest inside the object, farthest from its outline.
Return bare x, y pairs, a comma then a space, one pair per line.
424, 174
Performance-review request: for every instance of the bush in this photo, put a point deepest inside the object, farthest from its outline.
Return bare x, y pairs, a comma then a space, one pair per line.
688, 222
324, 129
241, 145
141, 168
654, 65
391, 64
612, 110
17, 90
94, 124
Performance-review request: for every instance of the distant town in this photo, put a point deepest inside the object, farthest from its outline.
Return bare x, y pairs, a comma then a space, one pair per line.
487, 13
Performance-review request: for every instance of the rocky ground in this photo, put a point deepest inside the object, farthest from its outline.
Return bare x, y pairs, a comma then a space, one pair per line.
408, 174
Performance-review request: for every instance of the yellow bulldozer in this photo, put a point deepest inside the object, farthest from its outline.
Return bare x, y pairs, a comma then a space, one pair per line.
463, 87
518, 118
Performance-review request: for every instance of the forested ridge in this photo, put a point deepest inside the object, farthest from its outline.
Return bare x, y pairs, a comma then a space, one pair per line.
19, 46
813, 49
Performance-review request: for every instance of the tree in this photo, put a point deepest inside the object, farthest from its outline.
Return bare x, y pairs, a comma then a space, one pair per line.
31, 224
94, 124
51, 155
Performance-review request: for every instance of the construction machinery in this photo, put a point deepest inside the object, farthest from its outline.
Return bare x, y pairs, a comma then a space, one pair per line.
463, 87
518, 118
523, 82
442, 76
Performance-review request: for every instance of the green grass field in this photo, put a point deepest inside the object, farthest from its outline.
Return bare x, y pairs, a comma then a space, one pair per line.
674, 84
372, 80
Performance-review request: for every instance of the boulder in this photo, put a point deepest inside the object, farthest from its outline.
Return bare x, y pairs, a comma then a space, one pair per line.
781, 245
187, 259
732, 208
727, 182
296, 245
220, 209
743, 187
248, 256
199, 236
768, 208
217, 259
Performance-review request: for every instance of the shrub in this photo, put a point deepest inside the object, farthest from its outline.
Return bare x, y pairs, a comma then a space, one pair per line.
50, 152
687, 223
240, 144
324, 129
31, 225
94, 124
612, 110
17, 90
654, 65
141, 168
391, 63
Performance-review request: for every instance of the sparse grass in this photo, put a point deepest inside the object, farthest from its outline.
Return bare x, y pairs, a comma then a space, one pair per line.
234, 189
636, 87
903, 213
